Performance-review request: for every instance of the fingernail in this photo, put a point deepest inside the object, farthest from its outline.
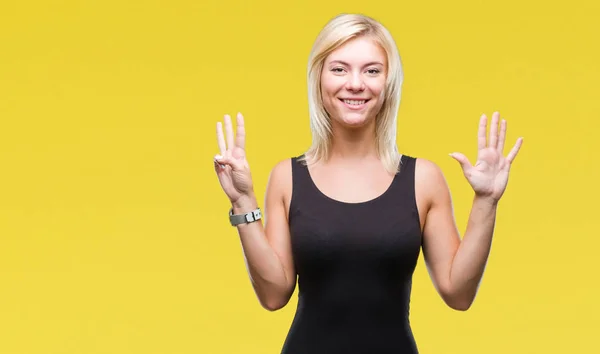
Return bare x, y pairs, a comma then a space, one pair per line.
219, 164
218, 157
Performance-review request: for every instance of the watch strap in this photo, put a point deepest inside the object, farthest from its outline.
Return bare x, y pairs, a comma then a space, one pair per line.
245, 218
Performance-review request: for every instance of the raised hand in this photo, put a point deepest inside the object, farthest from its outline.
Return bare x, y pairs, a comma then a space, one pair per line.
489, 175
231, 165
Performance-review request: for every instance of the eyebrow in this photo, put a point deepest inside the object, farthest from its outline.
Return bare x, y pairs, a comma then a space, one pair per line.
367, 64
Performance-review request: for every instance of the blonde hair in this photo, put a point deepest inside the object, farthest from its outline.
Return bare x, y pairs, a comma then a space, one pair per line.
337, 32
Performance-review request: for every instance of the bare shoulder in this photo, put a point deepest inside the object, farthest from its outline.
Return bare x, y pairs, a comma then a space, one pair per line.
280, 181
428, 173
282, 169
281, 174
429, 180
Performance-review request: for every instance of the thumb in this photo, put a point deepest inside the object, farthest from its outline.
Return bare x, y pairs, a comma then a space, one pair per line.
227, 161
462, 159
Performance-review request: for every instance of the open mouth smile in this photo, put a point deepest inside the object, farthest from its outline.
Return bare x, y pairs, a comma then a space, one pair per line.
354, 104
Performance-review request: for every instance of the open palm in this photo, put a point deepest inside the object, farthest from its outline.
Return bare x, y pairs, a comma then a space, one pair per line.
489, 175
231, 165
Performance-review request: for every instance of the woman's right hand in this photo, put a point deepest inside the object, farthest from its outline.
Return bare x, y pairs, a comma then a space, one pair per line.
231, 165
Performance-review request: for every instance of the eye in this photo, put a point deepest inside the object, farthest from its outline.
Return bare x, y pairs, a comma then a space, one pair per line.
337, 70
373, 71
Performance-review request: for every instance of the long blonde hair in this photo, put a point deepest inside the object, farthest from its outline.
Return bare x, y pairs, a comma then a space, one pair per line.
336, 32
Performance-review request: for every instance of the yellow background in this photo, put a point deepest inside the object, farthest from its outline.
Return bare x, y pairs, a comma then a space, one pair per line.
113, 229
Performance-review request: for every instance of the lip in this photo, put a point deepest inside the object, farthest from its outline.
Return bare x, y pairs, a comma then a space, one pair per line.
355, 107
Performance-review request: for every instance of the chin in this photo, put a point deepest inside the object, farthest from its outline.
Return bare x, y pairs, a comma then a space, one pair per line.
355, 123
354, 120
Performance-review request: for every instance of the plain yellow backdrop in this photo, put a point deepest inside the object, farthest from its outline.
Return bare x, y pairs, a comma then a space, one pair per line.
114, 235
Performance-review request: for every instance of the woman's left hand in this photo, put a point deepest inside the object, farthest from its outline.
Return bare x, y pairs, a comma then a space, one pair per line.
489, 175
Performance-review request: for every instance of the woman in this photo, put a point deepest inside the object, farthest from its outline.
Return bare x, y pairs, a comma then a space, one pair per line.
348, 217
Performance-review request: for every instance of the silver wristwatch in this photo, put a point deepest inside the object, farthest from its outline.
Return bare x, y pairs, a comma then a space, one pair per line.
247, 218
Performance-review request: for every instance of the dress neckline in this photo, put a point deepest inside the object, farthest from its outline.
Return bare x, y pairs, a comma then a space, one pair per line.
359, 203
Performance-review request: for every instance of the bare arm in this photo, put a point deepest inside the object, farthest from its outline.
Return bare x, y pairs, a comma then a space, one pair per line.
267, 249
456, 266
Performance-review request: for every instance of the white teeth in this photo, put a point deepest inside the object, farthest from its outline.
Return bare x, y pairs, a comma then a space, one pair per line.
354, 102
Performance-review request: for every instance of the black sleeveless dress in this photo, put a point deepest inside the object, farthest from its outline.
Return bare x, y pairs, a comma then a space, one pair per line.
355, 263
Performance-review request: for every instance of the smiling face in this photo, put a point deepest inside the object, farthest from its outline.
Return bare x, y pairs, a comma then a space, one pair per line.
353, 82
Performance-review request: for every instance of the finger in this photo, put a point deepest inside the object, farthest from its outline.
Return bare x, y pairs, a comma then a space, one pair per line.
494, 130
228, 161
221, 139
481, 141
219, 168
240, 137
515, 150
462, 159
228, 131
502, 136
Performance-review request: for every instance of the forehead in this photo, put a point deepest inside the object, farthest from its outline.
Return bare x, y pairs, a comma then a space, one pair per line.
359, 50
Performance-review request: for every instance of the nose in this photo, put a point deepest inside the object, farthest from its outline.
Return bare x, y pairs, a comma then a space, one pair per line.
355, 83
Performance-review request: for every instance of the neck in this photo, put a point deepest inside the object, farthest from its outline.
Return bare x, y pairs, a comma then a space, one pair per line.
353, 144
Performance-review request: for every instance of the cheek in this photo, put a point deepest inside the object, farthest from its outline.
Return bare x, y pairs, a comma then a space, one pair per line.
378, 88
329, 90
329, 85
379, 92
